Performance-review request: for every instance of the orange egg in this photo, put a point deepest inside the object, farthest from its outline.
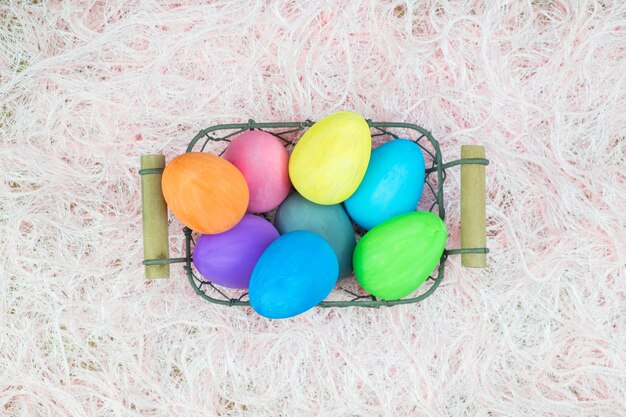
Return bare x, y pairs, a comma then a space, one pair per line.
206, 193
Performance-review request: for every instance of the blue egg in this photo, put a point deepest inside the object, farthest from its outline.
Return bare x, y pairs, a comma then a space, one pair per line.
392, 184
295, 273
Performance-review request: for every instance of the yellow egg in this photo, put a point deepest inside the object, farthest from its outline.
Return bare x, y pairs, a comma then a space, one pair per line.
330, 160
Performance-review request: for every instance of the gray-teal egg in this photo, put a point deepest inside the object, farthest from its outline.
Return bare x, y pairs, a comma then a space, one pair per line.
329, 221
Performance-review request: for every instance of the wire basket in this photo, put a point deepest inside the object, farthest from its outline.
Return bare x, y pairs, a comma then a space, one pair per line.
348, 292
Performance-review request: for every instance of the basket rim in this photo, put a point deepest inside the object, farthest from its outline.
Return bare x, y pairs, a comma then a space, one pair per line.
366, 301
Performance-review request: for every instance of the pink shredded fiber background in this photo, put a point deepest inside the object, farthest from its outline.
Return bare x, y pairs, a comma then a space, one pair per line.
87, 87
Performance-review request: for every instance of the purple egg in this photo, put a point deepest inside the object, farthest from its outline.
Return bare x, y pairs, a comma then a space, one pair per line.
228, 258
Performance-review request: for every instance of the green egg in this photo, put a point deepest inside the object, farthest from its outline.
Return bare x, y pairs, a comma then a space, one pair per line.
394, 258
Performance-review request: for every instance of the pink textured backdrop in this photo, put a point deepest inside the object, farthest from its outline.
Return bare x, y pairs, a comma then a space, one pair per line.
87, 87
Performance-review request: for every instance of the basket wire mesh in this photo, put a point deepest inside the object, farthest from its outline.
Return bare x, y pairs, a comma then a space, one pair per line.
347, 292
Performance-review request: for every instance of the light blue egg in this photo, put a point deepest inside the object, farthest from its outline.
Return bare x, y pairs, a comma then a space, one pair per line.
295, 273
392, 184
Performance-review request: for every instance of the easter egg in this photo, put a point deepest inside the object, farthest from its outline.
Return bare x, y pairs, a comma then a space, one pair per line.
294, 274
397, 256
392, 184
330, 222
206, 193
329, 161
228, 258
263, 161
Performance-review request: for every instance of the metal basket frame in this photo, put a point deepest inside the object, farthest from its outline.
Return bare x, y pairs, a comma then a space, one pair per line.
280, 129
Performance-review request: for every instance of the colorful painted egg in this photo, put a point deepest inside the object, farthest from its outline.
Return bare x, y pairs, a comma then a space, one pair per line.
330, 222
206, 193
393, 259
263, 161
294, 274
329, 161
228, 258
392, 184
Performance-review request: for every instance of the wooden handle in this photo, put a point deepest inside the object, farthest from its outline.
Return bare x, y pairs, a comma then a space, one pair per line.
473, 208
154, 213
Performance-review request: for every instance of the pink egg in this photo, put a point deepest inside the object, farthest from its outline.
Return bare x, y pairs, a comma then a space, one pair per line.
264, 162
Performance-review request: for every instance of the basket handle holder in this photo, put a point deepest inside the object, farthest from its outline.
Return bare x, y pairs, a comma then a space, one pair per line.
154, 216
473, 249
